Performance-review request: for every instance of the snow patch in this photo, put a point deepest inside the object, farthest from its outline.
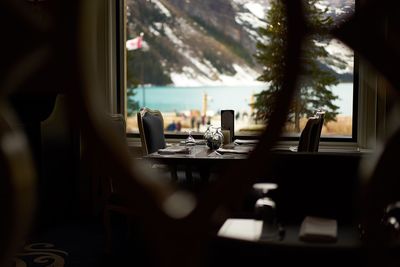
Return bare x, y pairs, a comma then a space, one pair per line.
340, 50
340, 12
190, 78
243, 18
162, 8
154, 31
322, 5
171, 35
158, 25
204, 68
256, 9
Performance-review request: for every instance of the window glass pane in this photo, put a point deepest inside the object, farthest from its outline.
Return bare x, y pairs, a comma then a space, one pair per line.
191, 59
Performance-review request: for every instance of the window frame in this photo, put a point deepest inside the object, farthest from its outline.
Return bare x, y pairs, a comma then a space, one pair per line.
365, 100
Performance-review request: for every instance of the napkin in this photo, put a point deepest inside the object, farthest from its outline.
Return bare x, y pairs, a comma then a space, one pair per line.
174, 150
245, 229
197, 142
246, 142
236, 150
317, 229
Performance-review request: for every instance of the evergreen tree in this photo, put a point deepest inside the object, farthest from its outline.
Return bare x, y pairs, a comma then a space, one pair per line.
314, 81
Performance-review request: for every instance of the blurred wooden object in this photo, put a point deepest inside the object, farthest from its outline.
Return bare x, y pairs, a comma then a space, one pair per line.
17, 187
176, 223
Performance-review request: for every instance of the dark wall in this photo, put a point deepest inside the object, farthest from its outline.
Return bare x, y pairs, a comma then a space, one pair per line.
60, 176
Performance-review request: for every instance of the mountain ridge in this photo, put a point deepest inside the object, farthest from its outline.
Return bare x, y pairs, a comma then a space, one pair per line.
209, 42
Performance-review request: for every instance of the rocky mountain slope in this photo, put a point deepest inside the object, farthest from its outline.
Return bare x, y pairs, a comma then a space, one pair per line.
207, 42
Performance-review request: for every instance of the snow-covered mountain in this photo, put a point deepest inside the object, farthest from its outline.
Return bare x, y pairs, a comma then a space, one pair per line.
205, 42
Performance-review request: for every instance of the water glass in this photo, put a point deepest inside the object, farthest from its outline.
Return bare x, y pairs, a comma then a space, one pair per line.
190, 141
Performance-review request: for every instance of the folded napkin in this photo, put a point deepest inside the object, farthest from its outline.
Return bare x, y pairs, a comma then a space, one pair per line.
174, 150
197, 142
245, 229
316, 229
245, 142
236, 150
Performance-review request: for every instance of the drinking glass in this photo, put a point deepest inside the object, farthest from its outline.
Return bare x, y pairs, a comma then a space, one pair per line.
265, 208
190, 140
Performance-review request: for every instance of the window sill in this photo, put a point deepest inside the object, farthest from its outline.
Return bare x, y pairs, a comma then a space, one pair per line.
324, 147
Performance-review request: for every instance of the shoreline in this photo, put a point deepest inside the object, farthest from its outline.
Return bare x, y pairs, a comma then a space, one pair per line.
343, 125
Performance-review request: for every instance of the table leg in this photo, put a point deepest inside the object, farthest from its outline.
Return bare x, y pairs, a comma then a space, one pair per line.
174, 173
189, 175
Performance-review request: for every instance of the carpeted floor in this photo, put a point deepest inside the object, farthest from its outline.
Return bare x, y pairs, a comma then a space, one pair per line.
72, 245
83, 244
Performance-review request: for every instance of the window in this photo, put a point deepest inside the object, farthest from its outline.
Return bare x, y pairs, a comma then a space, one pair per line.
192, 59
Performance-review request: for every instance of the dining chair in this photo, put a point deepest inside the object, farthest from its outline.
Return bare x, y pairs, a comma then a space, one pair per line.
311, 134
320, 114
112, 202
151, 130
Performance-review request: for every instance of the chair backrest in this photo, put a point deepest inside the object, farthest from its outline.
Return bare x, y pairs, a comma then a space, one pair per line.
107, 183
151, 129
119, 124
309, 137
320, 115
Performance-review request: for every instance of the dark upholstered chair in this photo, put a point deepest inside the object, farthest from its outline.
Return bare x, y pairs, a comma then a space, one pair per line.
310, 136
114, 203
151, 129
320, 115
307, 136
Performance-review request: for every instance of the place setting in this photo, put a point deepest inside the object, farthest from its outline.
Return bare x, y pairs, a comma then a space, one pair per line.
184, 147
220, 142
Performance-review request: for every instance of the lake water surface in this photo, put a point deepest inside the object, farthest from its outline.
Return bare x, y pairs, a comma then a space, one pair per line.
179, 99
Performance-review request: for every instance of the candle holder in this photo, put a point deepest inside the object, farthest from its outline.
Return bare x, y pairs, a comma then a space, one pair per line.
213, 137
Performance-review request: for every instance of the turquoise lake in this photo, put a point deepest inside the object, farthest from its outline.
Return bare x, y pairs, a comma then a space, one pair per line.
179, 99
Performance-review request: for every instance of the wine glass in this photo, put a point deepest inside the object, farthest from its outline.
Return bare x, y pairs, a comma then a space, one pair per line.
265, 210
265, 207
190, 140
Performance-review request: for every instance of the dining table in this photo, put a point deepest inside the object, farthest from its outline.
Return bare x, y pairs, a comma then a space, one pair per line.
201, 158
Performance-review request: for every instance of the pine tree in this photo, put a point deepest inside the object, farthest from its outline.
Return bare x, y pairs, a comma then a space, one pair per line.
314, 82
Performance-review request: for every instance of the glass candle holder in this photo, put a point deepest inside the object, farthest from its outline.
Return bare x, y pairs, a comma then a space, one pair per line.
213, 137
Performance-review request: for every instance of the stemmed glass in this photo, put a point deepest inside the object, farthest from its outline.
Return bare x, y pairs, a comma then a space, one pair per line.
190, 140
265, 206
265, 210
